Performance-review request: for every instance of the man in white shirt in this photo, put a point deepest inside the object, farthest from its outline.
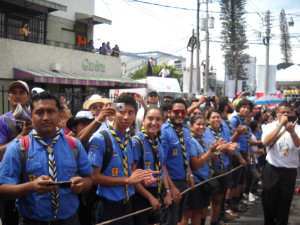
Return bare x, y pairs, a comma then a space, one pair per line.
282, 140
165, 72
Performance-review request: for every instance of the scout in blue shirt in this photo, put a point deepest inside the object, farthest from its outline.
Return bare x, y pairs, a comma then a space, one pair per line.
116, 181
197, 202
50, 158
176, 143
149, 154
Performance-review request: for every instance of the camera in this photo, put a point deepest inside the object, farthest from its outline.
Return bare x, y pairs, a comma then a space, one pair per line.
119, 106
211, 99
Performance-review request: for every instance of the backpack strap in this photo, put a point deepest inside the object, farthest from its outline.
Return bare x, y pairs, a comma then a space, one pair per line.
13, 131
141, 143
24, 146
73, 145
108, 151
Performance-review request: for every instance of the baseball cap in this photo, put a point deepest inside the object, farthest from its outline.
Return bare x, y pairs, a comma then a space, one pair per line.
81, 115
94, 99
151, 91
18, 83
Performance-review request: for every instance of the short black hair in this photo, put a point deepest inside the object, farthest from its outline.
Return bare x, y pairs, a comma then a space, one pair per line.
128, 100
194, 118
166, 105
253, 125
244, 102
257, 115
284, 104
180, 101
213, 111
45, 95
223, 101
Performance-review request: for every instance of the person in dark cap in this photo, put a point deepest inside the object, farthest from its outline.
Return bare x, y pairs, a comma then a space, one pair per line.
18, 92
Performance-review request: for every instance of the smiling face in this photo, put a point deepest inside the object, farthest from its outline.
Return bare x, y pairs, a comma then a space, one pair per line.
177, 114
45, 117
18, 95
153, 121
245, 110
198, 127
215, 120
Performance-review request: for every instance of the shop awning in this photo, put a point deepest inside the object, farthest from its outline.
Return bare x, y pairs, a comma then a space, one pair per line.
91, 19
41, 76
51, 6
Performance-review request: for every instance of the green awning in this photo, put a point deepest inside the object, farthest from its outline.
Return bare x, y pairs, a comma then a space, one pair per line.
51, 6
91, 19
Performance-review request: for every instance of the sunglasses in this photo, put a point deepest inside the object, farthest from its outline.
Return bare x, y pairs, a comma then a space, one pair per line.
153, 95
177, 112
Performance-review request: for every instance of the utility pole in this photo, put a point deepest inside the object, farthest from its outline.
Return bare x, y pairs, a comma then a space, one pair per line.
266, 42
206, 86
198, 79
190, 47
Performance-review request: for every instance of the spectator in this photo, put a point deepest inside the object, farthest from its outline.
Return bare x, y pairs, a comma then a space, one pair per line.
24, 32
165, 72
90, 46
108, 48
115, 51
150, 67
102, 49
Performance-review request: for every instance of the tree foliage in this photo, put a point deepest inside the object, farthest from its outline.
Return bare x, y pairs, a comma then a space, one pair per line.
142, 73
234, 37
285, 45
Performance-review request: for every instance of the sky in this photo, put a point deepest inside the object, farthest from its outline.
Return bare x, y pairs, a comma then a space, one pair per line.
140, 27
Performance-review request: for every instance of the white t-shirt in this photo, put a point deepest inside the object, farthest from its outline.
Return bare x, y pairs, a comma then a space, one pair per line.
284, 153
165, 72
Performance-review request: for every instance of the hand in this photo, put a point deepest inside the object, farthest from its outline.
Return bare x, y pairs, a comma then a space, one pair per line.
28, 126
138, 97
77, 184
154, 203
191, 182
106, 111
283, 120
203, 99
175, 194
214, 147
39, 185
260, 151
142, 175
241, 129
243, 161
168, 200
290, 127
229, 146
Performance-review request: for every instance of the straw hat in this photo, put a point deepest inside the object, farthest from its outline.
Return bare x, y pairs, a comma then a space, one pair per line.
94, 99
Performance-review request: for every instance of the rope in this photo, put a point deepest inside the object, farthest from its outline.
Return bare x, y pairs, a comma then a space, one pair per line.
182, 193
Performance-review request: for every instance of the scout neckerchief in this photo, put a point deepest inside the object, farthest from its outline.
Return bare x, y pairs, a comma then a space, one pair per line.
124, 157
217, 136
154, 146
231, 129
204, 149
179, 132
52, 167
246, 124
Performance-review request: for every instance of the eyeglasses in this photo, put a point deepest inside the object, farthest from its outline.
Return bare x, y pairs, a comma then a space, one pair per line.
177, 112
153, 95
287, 112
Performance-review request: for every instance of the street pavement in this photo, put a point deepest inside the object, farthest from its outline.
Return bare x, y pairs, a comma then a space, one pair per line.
255, 215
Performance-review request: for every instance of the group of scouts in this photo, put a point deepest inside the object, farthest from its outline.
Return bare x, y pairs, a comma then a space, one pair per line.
121, 159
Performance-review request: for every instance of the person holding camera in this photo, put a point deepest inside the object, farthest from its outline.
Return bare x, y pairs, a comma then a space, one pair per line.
279, 176
10, 129
116, 175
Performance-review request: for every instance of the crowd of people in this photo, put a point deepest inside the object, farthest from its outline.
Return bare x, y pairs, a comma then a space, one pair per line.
112, 159
105, 49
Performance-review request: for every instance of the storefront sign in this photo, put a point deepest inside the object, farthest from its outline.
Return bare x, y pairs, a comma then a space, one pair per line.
92, 66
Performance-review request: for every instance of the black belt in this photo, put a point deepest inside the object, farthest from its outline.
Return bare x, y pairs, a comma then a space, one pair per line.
36, 222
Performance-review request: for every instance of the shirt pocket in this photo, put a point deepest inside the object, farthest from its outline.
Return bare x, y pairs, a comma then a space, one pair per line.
33, 170
175, 149
69, 170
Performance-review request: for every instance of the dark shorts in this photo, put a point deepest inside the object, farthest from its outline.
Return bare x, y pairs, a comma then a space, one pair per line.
139, 202
196, 199
223, 181
73, 220
238, 176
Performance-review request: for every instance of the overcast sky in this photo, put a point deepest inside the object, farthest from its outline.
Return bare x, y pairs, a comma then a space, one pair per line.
141, 27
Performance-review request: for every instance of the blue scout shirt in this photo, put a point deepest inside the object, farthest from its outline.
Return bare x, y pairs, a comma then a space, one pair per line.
210, 138
148, 158
204, 170
97, 148
173, 151
242, 141
36, 206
